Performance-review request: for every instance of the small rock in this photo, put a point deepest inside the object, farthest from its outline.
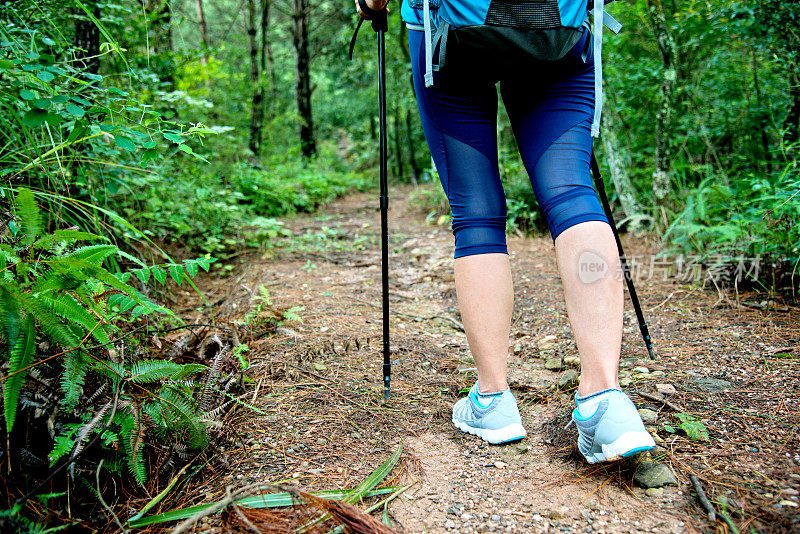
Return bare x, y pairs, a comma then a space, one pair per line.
656, 373
547, 342
572, 361
648, 416
654, 492
568, 379
322, 441
654, 475
522, 449
319, 366
555, 515
666, 389
496, 518
789, 503
500, 465
711, 384
554, 364
641, 370
790, 491
625, 382
466, 516
450, 524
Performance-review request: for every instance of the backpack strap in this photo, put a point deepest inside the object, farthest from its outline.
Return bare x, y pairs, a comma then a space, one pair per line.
597, 34
426, 22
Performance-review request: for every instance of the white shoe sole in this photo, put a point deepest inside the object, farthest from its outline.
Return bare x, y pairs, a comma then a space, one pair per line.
627, 445
512, 432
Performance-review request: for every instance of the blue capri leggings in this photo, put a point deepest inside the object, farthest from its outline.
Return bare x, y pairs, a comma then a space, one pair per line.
550, 107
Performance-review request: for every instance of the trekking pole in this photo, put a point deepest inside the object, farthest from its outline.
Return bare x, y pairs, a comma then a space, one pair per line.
380, 25
601, 191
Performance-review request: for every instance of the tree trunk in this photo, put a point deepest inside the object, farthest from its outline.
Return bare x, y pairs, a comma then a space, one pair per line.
397, 144
267, 61
412, 153
257, 108
665, 107
618, 164
201, 21
87, 37
308, 144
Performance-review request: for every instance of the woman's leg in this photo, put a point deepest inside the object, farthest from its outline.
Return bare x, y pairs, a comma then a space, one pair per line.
485, 299
459, 117
589, 265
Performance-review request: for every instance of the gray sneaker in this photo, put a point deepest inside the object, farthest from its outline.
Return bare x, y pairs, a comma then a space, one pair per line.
492, 418
614, 431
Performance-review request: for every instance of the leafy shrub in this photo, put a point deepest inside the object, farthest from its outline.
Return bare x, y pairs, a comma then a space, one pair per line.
54, 288
754, 217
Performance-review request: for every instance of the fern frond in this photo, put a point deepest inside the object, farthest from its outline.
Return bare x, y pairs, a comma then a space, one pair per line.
65, 236
92, 254
9, 311
48, 322
149, 371
75, 367
181, 416
30, 217
63, 443
86, 429
207, 395
65, 306
21, 357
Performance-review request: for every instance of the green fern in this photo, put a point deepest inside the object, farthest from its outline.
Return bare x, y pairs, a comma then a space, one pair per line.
180, 414
73, 377
30, 217
21, 357
152, 371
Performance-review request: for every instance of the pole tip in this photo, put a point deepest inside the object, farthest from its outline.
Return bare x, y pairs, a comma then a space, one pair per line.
650, 352
386, 393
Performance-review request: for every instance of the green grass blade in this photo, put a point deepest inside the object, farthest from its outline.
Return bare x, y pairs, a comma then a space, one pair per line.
374, 478
272, 500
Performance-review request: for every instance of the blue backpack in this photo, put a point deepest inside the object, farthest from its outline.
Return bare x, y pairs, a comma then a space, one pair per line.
543, 30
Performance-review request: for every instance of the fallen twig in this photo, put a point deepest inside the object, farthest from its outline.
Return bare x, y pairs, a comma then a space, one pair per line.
701, 496
664, 401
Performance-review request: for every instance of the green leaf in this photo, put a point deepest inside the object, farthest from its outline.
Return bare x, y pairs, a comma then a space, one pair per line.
60, 99
53, 119
183, 147
29, 214
159, 274
191, 268
6, 64
694, 429
172, 137
45, 76
42, 103
148, 155
27, 94
176, 272
21, 357
142, 274
125, 143
75, 110
48, 41
34, 118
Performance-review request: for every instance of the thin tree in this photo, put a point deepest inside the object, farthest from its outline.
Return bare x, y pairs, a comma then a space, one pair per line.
665, 106
257, 107
300, 14
201, 21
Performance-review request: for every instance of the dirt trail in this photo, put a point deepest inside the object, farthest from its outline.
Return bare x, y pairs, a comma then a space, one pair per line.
322, 423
